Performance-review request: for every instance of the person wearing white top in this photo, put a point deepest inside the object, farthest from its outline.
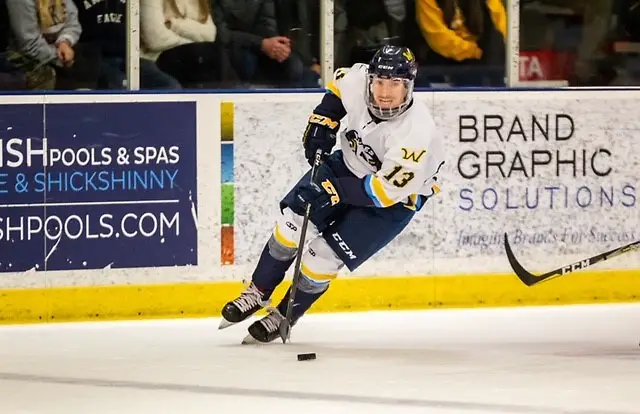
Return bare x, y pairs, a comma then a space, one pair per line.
180, 36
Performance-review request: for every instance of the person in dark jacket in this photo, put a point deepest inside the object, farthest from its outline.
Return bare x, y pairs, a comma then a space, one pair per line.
296, 20
258, 52
104, 25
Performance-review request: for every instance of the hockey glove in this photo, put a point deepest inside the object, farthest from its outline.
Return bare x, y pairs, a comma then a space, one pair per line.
320, 134
320, 194
329, 190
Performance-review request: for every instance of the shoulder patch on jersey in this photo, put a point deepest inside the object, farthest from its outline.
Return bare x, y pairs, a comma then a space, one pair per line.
332, 85
411, 154
340, 73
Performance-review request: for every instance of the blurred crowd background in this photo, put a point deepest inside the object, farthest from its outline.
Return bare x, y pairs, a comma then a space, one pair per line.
195, 44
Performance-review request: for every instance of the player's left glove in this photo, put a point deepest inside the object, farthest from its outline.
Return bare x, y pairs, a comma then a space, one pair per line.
320, 134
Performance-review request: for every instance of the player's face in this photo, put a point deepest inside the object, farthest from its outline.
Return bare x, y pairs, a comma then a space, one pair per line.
388, 93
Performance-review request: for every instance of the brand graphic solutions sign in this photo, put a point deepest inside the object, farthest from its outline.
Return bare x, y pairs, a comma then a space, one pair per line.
88, 186
557, 172
560, 174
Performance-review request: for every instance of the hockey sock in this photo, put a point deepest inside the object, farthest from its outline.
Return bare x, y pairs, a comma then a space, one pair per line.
270, 271
301, 304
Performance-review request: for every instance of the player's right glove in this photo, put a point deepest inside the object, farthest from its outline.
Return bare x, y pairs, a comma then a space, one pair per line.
320, 134
319, 215
322, 197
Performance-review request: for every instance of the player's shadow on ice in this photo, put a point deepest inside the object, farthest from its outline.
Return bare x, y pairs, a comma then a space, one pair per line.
415, 355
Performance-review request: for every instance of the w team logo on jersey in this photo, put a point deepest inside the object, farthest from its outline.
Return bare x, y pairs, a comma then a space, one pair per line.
412, 155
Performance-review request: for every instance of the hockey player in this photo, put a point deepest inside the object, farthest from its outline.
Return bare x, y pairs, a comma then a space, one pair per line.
364, 195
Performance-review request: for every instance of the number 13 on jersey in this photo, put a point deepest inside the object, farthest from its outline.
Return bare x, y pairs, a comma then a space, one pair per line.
400, 180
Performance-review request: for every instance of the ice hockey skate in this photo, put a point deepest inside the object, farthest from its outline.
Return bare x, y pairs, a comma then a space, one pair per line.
251, 300
266, 329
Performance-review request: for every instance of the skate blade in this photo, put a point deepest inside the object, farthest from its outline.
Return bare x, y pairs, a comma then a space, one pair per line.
225, 324
250, 340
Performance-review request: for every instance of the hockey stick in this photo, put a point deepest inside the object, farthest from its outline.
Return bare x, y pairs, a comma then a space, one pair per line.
530, 279
285, 326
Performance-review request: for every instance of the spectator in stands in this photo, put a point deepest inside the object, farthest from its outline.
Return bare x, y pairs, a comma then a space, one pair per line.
589, 29
259, 54
11, 77
44, 41
294, 21
180, 35
341, 50
104, 26
5, 30
372, 24
466, 38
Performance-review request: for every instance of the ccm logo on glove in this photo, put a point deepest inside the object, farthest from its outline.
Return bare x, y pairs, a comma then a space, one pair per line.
331, 190
323, 120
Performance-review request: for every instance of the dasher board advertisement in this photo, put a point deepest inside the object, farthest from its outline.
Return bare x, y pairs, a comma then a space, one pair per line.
97, 185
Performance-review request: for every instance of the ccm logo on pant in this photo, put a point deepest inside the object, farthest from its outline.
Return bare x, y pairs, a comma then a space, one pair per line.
345, 248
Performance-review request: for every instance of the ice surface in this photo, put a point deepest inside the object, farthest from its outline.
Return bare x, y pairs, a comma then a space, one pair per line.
574, 359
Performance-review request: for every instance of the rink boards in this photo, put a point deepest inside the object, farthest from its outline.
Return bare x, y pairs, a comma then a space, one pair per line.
157, 205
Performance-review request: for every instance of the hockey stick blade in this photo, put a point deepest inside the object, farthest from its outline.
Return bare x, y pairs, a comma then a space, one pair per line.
530, 279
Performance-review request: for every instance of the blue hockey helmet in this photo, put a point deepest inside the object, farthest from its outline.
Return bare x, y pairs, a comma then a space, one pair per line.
396, 63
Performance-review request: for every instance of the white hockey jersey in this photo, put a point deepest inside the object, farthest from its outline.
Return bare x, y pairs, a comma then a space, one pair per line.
399, 158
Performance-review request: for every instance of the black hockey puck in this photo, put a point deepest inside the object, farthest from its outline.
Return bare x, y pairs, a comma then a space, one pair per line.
306, 357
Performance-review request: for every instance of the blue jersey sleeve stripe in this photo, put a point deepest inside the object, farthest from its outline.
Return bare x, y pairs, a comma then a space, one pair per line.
419, 203
369, 190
